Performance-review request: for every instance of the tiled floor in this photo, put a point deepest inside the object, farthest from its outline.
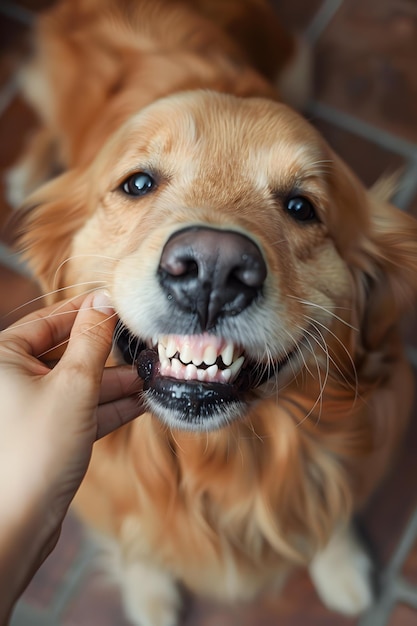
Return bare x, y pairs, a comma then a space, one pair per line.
365, 103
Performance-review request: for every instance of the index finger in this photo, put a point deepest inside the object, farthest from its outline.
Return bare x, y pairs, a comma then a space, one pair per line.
44, 329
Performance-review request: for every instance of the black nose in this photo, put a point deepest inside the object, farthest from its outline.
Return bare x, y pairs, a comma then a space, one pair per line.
211, 272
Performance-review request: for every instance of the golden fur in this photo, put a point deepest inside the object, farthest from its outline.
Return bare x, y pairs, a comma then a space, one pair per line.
231, 510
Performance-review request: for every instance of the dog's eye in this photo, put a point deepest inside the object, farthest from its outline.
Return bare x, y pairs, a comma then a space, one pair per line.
138, 184
300, 209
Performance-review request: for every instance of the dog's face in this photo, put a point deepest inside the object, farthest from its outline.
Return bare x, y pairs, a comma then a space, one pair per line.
230, 238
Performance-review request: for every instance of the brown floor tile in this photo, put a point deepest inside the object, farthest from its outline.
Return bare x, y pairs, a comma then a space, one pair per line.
15, 291
297, 14
403, 616
367, 160
388, 512
12, 33
35, 5
53, 572
15, 125
412, 209
95, 603
363, 64
410, 328
296, 605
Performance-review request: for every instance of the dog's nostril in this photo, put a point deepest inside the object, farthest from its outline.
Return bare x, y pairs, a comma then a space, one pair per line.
211, 272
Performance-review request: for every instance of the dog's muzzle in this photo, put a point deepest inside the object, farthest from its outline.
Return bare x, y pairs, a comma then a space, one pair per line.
200, 381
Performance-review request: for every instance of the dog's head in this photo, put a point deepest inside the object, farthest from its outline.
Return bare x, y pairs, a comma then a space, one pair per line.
237, 248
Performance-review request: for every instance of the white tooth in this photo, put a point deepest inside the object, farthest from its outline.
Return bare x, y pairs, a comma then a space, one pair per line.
236, 366
197, 360
227, 354
176, 366
211, 371
186, 354
165, 367
161, 353
163, 341
225, 375
210, 355
171, 347
190, 372
201, 374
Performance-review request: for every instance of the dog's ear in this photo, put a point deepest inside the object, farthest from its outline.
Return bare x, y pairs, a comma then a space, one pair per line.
390, 265
45, 224
379, 243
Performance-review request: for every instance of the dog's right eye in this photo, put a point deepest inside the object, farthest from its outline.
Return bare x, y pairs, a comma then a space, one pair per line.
138, 184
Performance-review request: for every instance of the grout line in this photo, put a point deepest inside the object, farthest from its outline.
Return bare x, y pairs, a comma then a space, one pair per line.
404, 547
7, 93
406, 592
407, 186
357, 126
16, 12
74, 578
380, 612
26, 615
411, 352
321, 20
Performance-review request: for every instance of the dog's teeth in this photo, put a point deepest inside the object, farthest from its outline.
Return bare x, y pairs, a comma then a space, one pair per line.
162, 340
201, 374
190, 372
176, 366
227, 354
236, 366
165, 368
186, 355
211, 371
225, 375
197, 360
171, 347
162, 353
210, 355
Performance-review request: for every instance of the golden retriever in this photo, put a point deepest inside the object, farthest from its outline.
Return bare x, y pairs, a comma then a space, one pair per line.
259, 288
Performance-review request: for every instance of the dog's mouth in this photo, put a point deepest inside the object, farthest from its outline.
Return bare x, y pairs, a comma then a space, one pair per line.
195, 382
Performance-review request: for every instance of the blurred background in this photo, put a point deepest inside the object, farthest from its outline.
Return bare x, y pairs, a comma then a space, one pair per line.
365, 103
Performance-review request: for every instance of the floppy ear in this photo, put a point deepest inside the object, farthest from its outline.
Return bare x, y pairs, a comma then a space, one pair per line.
379, 243
46, 223
390, 265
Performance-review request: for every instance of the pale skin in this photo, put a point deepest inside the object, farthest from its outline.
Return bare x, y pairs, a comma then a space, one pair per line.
49, 421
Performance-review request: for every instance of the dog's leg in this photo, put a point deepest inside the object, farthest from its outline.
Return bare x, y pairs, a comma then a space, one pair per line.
37, 165
342, 574
150, 595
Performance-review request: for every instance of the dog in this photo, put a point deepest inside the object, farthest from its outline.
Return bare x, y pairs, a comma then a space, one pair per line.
259, 289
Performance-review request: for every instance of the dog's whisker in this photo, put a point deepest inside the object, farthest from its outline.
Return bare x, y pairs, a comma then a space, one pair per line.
325, 309
322, 382
49, 293
65, 341
355, 386
80, 256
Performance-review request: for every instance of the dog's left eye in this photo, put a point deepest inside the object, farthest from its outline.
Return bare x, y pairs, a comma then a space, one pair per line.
300, 209
138, 184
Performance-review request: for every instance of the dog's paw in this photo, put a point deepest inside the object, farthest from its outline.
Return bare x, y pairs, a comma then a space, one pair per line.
150, 596
342, 574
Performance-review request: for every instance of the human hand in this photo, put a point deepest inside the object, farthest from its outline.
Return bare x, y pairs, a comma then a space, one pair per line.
49, 420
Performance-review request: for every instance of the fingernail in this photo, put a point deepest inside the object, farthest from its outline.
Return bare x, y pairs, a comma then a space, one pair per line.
101, 302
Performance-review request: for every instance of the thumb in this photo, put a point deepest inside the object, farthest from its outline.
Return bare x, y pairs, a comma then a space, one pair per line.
91, 336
